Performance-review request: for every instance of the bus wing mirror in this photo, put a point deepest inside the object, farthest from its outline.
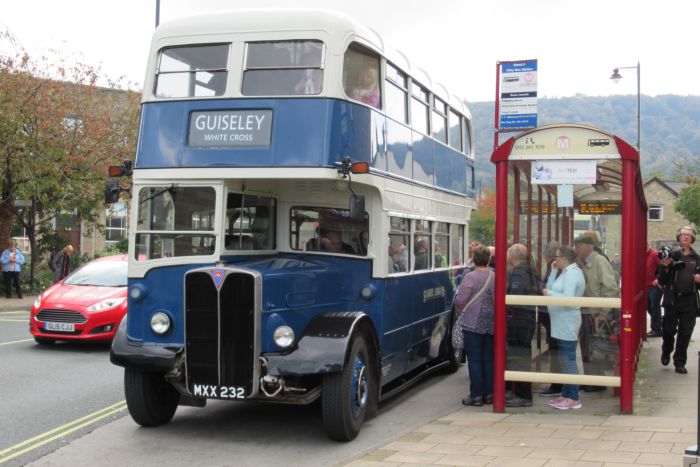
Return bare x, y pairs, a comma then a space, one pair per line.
112, 190
357, 206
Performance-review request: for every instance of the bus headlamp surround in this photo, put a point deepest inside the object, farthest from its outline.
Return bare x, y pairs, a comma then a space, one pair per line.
283, 336
160, 323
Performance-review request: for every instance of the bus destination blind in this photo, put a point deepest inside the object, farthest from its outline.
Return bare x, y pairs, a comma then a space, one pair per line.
230, 128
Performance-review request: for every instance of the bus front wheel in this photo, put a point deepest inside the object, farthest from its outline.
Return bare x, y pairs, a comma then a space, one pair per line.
151, 400
345, 396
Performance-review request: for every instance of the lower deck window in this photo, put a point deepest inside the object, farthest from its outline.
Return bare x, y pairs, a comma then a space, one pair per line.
328, 230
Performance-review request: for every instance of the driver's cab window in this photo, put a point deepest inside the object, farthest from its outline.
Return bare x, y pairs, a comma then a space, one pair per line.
250, 222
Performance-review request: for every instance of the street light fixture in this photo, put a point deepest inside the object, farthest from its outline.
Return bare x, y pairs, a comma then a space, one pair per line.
616, 77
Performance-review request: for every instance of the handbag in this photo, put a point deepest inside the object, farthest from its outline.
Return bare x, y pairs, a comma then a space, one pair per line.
457, 334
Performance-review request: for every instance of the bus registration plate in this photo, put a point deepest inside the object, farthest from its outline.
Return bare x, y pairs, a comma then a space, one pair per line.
218, 392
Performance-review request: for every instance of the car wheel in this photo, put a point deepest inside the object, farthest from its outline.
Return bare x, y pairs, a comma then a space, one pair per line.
44, 341
345, 396
151, 400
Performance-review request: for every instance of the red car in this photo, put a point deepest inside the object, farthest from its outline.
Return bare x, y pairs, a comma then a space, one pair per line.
87, 305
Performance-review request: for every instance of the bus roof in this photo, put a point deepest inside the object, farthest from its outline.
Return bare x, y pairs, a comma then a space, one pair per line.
339, 27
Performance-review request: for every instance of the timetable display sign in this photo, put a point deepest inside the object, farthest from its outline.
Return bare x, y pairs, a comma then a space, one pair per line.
518, 96
605, 207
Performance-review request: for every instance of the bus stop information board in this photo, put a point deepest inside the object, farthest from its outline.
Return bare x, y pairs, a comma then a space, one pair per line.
518, 96
600, 207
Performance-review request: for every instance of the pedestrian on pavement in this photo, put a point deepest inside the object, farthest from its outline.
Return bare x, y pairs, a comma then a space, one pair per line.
678, 275
474, 300
60, 264
12, 260
566, 321
654, 292
520, 322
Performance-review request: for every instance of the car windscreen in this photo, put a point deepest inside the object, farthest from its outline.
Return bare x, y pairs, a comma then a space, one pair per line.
100, 273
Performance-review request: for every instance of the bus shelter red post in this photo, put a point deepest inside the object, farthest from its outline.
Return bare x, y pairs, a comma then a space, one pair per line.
549, 217
516, 206
528, 220
629, 265
539, 230
499, 329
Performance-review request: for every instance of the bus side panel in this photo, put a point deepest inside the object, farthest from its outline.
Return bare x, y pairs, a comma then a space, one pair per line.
396, 338
432, 300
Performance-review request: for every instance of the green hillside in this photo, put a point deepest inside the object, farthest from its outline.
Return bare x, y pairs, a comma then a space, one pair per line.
670, 126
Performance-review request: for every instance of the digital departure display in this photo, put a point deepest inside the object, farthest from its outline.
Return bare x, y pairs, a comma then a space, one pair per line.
600, 207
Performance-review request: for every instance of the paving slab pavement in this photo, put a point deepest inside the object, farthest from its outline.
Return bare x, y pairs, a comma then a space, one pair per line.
17, 304
663, 426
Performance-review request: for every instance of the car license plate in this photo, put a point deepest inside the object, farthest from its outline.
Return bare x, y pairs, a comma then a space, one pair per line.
64, 327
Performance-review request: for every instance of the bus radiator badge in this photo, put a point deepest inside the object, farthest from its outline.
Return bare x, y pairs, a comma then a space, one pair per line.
218, 276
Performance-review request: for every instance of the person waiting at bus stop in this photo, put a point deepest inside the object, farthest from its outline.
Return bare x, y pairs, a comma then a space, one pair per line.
474, 300
601, 326
566, 321
520, 322
678, 274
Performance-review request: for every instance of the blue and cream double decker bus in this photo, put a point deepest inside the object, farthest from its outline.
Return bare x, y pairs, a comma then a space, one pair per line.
300, 203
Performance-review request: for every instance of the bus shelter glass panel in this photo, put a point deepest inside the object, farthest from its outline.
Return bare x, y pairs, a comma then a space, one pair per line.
569, 231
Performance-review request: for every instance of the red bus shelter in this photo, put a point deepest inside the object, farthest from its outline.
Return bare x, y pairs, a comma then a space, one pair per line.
555, 183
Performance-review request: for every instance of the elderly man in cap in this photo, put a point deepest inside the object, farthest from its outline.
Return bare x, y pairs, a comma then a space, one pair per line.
600, 282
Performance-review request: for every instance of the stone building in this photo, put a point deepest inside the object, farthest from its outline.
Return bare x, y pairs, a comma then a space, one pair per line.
662, 219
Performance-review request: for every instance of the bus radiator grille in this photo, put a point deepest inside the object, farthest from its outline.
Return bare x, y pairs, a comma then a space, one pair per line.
220, 331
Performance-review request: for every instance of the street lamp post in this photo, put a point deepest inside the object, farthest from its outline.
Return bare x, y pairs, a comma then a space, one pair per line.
616, 76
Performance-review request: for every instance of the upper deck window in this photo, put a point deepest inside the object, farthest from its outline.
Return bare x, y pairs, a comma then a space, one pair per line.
419, 108
283, 68
396, 92
439, 127
455, 139
192, 71
361, 76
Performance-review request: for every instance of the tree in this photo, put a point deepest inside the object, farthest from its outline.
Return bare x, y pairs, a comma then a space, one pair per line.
482, 225
688, 202
58, 133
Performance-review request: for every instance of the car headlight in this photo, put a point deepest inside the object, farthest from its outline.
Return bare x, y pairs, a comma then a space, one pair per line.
106, 304
284, 336
160, 322
37, 302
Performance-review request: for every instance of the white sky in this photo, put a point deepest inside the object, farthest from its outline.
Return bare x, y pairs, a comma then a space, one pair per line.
577, 42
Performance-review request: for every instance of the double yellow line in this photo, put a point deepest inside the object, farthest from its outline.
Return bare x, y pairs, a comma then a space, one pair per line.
59, 432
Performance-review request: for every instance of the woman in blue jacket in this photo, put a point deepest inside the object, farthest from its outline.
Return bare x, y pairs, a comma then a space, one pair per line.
566, 321
12, 260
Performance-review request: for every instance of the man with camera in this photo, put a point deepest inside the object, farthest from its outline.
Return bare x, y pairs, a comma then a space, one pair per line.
678, 274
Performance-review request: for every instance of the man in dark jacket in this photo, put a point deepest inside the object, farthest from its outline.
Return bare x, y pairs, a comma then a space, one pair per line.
520, 322
60, 264
679, 278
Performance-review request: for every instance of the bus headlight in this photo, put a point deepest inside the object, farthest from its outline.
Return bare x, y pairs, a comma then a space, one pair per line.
160, 323
283, 336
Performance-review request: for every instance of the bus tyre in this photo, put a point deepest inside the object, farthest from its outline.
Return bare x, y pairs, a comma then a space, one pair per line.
44, 341
151, 400
345, 396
